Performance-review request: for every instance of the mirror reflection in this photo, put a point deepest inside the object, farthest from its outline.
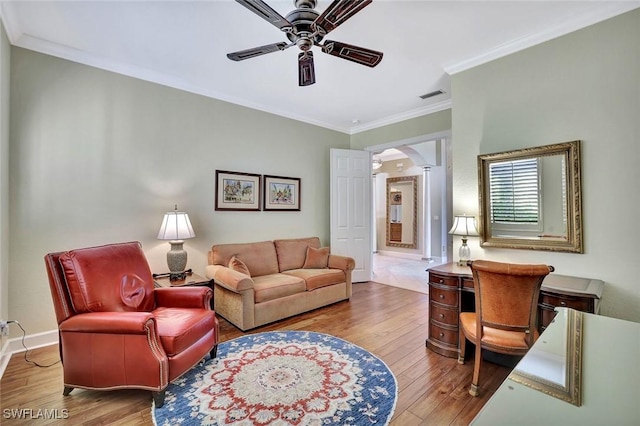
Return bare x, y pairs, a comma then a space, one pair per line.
530, 198
554, 365
402, 208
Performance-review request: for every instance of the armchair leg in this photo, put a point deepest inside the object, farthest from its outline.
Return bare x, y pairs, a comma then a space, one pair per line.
214, 351
158, 398
67, 390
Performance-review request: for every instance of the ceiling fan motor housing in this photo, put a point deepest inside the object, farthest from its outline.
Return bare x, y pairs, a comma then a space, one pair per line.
301, 21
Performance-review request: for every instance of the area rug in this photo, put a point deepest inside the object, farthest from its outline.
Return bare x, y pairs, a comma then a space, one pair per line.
283, 378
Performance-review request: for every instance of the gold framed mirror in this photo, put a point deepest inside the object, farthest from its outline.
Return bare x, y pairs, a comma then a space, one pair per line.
402, 212
531, 198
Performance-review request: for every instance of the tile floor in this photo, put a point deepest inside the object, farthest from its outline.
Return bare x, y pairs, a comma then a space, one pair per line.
401, 272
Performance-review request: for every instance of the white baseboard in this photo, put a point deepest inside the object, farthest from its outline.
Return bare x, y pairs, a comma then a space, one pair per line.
31, 341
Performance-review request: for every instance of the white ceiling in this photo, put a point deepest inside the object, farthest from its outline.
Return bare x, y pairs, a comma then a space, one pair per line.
183, 44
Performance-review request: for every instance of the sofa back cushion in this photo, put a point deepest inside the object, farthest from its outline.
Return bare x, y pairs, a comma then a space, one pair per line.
114, 277
260, 258
293, 252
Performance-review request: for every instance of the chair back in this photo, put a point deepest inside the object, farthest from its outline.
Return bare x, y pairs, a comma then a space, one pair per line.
507, 295
58, 287
109, 278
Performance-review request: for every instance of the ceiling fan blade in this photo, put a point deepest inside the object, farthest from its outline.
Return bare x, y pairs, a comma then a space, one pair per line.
256, 51
338, 12
264, 11
306, 71
361, 55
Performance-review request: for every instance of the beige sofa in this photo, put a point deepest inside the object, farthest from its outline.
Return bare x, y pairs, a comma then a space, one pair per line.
258, 283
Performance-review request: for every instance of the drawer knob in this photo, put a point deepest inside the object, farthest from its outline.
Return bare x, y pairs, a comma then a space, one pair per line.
441, 334
563, 303
441, 315
440, 281
441, 296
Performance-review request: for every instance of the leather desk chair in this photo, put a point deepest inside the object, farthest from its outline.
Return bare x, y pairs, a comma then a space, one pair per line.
506, 306
116, 330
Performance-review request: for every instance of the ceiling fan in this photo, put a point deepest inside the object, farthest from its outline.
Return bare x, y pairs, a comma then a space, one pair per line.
305, 28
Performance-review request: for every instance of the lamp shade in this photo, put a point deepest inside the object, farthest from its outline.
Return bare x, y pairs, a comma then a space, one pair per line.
176, 226
464, 225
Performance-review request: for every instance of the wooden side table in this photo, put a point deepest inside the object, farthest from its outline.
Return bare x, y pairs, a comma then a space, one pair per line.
162, 280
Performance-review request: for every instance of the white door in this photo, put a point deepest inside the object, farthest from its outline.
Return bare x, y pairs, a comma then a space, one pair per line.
351, 209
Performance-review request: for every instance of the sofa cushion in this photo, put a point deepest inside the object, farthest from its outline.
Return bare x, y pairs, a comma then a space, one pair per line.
113, 277
259, 257
293, 252
275, 286
239, 266
316, 258
316, 278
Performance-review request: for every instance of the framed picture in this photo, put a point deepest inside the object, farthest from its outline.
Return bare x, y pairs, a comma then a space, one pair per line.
281, 193
237, 191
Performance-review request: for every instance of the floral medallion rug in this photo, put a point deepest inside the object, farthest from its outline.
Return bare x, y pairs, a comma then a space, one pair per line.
283, 378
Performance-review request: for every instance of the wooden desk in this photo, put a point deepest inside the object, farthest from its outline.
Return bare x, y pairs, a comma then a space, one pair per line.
451, 291
610, 385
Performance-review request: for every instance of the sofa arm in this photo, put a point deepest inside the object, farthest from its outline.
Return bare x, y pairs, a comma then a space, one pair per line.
230, 279
341, 262
184, 297
108, 322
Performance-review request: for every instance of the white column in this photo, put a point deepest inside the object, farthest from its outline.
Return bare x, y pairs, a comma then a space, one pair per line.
374, 214
426, 213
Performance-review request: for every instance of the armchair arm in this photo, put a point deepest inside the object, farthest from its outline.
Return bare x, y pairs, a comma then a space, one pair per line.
230, 279
108, 322
341, 262
184, 297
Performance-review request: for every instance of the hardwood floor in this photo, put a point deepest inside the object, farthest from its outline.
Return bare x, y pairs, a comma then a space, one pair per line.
388, 321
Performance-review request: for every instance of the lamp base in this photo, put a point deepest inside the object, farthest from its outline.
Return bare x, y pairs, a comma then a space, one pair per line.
464, 254
177, 260
177, 276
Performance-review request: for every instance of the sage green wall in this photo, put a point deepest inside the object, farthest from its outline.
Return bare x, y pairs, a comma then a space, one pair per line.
427, 124
97, 157
585, 85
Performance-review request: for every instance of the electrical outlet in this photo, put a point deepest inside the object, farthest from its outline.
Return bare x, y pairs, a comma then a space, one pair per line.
4, 328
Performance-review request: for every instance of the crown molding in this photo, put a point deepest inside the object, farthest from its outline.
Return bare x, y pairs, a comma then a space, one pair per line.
602, 13
396, 118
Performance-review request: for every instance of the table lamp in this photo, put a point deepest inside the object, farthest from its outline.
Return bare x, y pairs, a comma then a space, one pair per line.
464, 226
176, 227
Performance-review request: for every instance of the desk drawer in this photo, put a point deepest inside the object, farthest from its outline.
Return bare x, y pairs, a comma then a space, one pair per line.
444, 296
442, 280
577, 303
443, 335
467, 283
444, 315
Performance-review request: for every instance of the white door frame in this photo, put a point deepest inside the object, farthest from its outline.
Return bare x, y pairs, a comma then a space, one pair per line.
444, 214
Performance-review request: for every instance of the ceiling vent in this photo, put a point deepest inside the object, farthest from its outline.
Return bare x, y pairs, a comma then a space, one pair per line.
432, 94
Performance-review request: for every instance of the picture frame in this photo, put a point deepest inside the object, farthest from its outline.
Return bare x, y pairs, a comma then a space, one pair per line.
281, 193
237, 191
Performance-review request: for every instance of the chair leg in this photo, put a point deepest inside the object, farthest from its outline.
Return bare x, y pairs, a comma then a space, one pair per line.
473, 390
158, 398
213, 352
461, 347
67, 390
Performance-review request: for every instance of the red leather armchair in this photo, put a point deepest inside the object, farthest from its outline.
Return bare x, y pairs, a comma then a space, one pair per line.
117, 331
